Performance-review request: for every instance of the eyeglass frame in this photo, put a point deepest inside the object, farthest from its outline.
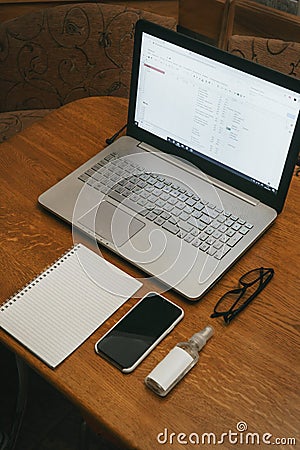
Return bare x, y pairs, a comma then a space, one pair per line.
231, 313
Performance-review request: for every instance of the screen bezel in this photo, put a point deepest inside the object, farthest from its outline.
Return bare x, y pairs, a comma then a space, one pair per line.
273, 199
159, 336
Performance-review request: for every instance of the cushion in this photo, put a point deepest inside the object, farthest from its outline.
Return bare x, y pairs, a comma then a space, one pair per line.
60, 54
277, 54
56, 55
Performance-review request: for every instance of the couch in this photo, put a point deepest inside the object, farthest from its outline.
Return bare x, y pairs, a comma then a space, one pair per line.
57, 55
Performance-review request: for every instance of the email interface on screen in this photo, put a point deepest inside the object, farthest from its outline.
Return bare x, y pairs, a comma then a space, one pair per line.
203, 106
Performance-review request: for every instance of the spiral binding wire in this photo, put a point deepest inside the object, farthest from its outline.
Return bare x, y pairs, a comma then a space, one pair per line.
48, 269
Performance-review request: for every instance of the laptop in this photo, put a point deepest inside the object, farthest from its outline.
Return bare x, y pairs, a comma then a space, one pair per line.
204, 170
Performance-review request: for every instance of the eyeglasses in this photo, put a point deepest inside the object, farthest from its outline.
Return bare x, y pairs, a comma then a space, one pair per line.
234, 301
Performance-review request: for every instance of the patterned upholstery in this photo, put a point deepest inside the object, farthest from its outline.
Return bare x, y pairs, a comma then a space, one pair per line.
277, 54
56, 55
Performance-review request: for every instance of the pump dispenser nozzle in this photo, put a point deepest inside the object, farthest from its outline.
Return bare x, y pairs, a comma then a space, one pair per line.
202, 337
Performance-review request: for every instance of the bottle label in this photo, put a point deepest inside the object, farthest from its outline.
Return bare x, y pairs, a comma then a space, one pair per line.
171, 368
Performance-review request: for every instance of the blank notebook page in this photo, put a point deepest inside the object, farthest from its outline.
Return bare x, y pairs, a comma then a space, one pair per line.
64, 305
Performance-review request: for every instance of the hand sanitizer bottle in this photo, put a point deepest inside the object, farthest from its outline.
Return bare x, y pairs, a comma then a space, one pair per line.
177, 363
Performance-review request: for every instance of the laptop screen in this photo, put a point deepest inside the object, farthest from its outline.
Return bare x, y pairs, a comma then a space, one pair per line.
235, 120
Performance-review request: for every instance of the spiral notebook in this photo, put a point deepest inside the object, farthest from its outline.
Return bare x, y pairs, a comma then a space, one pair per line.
58, 310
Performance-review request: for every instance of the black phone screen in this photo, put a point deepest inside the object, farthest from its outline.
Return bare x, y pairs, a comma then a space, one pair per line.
138, 331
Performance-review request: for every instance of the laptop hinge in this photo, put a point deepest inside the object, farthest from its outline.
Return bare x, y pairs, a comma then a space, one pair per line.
176, 160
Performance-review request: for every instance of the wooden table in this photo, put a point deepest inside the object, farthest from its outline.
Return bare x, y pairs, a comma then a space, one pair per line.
248, 372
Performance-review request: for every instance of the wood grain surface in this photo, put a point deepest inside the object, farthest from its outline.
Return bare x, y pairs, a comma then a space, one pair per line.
249, 370
217, 20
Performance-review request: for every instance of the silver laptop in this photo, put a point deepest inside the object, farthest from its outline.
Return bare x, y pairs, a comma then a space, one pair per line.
203, 171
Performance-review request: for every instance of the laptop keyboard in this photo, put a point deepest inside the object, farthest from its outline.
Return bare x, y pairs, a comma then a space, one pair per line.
167, 204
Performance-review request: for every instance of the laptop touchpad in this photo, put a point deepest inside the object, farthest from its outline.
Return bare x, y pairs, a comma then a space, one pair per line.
111, 223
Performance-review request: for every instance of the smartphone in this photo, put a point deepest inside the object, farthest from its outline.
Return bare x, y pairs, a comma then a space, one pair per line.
128, 342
